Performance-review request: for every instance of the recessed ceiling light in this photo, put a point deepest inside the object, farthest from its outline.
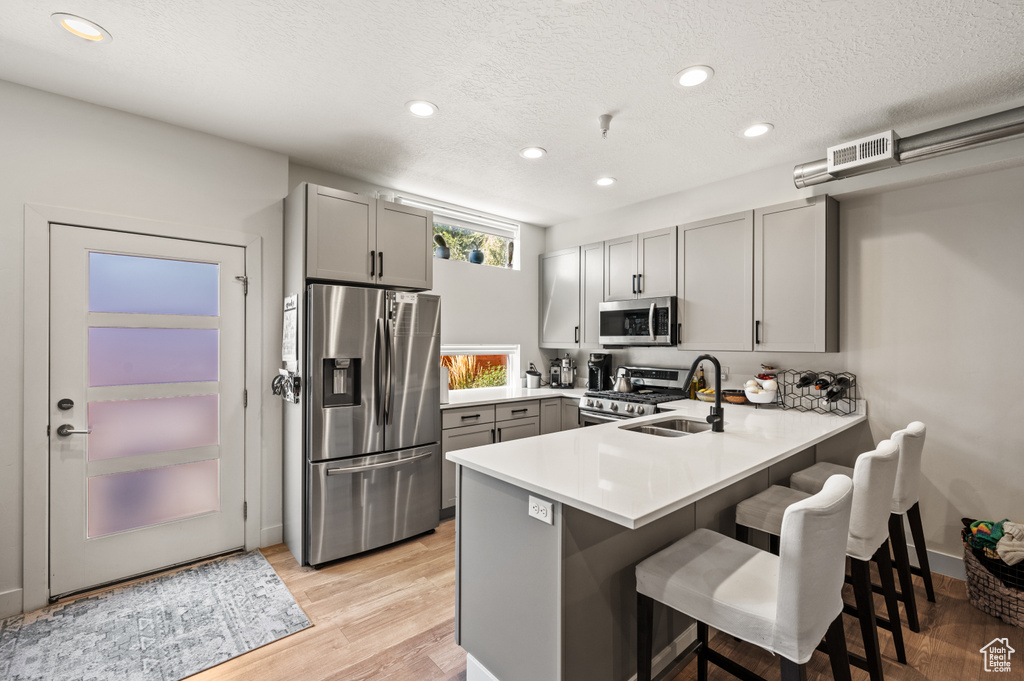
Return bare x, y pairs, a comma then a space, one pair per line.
532, 152
758, 129
694, 75
83, 28
605, 181
421, 108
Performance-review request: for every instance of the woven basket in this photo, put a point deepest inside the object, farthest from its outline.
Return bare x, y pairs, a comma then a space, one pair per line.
994, 587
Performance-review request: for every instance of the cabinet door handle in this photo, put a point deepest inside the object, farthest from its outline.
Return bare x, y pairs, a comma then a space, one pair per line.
492, 434
577, 334
634, 284
499, 435
373, 264
757, 332
639, 283
520, 411
380, 264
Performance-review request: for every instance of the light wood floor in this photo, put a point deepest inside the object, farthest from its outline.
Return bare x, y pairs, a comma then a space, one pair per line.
389, 615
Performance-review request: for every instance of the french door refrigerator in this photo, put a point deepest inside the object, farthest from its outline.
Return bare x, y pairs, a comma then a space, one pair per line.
373, 418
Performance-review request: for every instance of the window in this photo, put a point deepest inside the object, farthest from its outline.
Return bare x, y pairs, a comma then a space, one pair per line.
464, 232
472, 367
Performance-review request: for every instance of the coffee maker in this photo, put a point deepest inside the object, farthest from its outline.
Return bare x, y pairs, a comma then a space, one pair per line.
599, 371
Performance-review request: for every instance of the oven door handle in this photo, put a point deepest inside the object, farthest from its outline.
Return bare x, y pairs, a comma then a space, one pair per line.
593, 416
650, 321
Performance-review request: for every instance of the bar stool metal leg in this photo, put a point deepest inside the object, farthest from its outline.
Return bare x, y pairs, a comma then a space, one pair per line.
891, 604
861, 574
702, 652
917, 531
898, 538
644, 636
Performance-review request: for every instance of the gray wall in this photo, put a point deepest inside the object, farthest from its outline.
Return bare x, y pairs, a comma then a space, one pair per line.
931, 318
62, 152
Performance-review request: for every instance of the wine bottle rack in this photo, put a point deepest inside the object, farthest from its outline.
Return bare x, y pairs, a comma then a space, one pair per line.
792, 395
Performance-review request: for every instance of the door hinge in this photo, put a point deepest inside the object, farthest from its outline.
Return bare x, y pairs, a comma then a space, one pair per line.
47, 431
245, 510
245, 399
245, 284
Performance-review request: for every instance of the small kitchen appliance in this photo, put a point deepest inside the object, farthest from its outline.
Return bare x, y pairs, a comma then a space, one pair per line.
555, 373
599, 370
532, 377
642, 322
566, 374
651, 386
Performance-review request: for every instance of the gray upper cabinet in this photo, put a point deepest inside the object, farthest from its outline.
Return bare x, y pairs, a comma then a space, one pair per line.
620, 268
641, 266
571, 284
404, 253
361, 240
591, 293
560, 298
796, 276
715, 283
340, 235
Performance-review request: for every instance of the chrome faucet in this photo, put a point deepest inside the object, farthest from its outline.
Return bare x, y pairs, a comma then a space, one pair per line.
715, 417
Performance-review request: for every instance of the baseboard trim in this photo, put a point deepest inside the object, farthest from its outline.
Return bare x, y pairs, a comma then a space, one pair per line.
11, 603
477, 672
272, 535
941, 563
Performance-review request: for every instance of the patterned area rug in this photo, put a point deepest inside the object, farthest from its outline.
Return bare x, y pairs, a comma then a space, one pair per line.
164, 628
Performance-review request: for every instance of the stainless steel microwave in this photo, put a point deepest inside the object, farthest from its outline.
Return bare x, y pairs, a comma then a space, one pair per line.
645, 321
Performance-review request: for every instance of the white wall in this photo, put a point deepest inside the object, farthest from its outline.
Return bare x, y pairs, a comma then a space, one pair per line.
479, 305
63, 152
931, 318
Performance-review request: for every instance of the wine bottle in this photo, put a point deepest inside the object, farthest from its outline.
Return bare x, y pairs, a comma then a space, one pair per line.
838, 389
822, 383
806, 379
701, 383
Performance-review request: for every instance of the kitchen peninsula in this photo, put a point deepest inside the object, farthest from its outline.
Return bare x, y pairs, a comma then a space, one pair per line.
553, 598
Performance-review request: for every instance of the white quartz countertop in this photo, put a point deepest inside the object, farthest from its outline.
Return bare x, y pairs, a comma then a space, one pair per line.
478, 396
633, 478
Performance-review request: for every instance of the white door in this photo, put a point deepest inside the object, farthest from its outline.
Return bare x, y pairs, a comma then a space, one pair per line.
147, 354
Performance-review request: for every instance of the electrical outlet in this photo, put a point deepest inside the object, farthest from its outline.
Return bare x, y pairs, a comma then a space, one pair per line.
725, 373
541, 510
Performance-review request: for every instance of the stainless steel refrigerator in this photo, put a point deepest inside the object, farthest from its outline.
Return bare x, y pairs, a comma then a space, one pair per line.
373, 418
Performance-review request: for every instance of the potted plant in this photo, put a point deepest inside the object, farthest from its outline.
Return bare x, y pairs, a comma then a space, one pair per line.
441, 249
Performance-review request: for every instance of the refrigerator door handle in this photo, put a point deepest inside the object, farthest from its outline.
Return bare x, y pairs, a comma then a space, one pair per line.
378, 393
374, 466
389, 391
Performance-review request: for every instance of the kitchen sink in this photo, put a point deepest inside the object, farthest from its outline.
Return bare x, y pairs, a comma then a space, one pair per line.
674, 427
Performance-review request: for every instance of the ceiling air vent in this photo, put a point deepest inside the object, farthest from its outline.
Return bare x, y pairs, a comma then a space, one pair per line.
869, 153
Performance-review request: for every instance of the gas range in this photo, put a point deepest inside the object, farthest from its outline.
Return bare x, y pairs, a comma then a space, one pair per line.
651, 387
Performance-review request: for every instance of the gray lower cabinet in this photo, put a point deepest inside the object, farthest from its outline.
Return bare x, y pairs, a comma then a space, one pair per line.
550, 415
570, 413
453, 439
516, 429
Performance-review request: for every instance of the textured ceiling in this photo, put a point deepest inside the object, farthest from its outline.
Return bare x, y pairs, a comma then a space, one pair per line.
326, 82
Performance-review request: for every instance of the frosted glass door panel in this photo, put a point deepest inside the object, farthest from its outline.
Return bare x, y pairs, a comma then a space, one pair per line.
128, 283
126, 501
119, 356
132, 427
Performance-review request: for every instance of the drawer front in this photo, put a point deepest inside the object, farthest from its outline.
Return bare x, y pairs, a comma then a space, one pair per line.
453, 439
467, 416
517, 429
516, 410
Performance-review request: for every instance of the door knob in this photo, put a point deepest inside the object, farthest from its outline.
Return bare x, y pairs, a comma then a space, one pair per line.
67, 429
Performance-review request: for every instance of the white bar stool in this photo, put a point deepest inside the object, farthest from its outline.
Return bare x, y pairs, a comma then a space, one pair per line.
783, 603
874, 476
904, 503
